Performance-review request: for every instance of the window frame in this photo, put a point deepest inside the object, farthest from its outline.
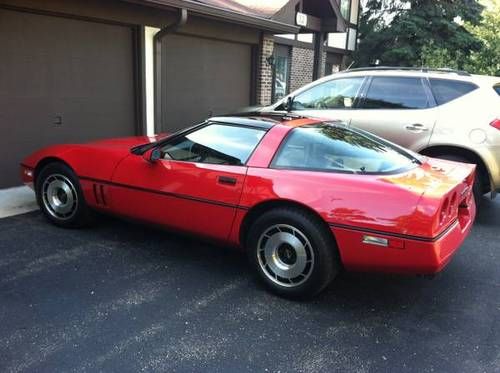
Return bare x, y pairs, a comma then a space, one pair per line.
415, 161
202, 125
423, 80
356, 100
281, 50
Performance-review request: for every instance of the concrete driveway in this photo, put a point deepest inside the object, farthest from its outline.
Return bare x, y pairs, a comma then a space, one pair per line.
122, 297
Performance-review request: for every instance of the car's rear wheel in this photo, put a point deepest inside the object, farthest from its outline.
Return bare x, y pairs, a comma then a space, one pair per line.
294, 254
477, 188
60, 197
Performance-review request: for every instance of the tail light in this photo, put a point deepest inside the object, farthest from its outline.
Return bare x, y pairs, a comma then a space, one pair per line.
444, 211
496, 124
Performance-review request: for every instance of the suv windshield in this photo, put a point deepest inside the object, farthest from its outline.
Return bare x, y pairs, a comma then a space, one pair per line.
330, 147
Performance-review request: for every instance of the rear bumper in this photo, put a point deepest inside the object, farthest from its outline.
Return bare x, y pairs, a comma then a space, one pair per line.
403, 255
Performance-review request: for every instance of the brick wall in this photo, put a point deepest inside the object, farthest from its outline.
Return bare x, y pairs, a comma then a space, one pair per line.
302, 67
265, 71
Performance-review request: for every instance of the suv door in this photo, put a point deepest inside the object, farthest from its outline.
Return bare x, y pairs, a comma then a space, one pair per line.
399, 109
332, 99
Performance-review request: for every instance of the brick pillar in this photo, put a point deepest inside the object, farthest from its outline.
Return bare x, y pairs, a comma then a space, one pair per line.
264, 70
301, 71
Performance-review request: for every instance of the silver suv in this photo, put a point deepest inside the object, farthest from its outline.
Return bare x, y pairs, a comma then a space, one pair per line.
440, 113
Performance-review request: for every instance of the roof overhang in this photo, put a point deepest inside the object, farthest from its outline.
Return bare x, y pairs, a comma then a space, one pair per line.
320, 16
210, 11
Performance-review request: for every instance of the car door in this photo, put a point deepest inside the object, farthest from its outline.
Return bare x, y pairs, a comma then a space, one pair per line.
332, 99
196, 184
399, 109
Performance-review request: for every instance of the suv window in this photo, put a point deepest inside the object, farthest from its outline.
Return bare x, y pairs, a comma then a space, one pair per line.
333, 94
497, 89
396, 93
327, 147
215, 144
446, 90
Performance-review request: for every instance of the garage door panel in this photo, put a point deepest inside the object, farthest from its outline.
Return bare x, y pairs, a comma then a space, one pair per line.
202, 77
56, 67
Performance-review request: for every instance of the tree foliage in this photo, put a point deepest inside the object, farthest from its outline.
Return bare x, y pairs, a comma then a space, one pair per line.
487, 59
403, 32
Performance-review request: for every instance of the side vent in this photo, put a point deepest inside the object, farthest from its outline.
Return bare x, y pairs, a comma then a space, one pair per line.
99, 196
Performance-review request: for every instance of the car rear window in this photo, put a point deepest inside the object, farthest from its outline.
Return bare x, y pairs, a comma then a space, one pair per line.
330, 147
446, 90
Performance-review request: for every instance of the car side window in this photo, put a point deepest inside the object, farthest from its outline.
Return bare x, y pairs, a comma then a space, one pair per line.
214, 144
333, 94
396, 93
446, 90
497, 89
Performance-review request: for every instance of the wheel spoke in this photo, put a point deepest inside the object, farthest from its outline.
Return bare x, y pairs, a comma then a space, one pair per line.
285, 255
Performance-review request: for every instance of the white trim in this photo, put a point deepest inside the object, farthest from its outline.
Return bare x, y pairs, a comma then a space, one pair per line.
149, 33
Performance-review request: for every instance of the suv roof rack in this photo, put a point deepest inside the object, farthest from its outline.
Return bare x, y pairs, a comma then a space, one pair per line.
404, 68
281, 115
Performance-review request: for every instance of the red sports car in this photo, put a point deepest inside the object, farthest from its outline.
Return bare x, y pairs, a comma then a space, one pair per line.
303, 197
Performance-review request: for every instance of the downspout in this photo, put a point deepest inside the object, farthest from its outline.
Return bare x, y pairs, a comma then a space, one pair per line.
319, 40
157, 45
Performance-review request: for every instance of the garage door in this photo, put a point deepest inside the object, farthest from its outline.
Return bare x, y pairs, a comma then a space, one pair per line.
203, 77
61, 80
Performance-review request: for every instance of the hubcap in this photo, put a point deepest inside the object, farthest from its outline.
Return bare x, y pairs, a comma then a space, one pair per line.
285, 255
59, 196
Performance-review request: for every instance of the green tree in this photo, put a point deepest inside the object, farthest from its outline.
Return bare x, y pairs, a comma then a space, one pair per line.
487, 59
398, 32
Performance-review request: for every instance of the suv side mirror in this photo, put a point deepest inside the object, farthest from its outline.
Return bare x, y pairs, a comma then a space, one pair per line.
289, 104
152, 155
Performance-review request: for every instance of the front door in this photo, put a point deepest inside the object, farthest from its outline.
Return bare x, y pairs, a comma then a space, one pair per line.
196, 185
397, 109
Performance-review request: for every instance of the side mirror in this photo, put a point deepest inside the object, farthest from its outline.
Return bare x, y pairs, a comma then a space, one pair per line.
152, 155
289, 104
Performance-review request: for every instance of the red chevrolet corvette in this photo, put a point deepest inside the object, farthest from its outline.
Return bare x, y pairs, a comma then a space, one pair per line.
303, 197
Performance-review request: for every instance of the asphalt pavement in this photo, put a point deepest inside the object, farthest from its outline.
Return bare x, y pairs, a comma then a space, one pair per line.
122, 297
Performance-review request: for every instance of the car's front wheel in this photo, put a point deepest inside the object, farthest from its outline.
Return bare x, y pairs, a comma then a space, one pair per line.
293, 252
60, 197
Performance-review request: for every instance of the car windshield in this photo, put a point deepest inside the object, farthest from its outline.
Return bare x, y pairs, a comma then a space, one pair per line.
330, 147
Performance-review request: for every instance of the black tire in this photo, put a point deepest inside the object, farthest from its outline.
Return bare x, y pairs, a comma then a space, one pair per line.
477, 188
316, 242
57, 183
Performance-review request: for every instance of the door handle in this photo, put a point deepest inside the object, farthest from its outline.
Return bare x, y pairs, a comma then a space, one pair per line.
226, 180
417, 127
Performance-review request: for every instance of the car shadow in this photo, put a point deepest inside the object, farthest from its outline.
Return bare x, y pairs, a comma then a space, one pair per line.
349, 288
488, 212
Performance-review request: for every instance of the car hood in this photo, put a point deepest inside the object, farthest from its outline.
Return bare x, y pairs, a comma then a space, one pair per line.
95, 159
